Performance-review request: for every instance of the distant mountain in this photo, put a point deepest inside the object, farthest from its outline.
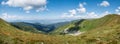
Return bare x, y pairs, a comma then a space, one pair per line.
32, 27
25, 27
37, 27
46, 21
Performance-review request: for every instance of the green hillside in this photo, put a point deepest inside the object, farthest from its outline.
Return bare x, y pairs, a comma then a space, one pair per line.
108, 20
12, 35
25, 27
105, 30
89, 24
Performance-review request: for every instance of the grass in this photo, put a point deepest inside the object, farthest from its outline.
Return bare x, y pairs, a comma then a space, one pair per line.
105, 30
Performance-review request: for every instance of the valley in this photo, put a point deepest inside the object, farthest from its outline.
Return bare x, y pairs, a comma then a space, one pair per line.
103, 30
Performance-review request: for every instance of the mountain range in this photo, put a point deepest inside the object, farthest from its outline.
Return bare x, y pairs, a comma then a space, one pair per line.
105, 30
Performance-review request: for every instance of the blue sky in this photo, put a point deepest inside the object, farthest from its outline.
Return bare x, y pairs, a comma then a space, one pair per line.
57, 9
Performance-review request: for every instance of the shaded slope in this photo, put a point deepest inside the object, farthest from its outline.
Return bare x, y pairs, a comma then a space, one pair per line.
37, 27
25, 27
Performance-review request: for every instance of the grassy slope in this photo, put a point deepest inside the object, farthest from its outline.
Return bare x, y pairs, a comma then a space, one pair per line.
11, 35
25, 27
62, 28
89, 24
96, 23
105, 30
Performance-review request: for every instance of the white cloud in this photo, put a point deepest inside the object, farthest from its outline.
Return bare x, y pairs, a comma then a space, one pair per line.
3, 3
27, 11
117, 11
27, 4
105, 4
6, 16
105, 13
41, 9
72, 12
89, 15
64, 15
28, 8
81, 8
92, 14
119, 7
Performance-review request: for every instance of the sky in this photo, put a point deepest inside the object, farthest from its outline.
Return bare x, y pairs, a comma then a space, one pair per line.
57, 9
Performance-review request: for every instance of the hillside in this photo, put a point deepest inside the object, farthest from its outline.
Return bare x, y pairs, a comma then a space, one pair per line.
12, 35
105, 30
25, 27
37, 27
89, 24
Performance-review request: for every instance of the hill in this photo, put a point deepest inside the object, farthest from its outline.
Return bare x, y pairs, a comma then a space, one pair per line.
25, 27
105, 30
12, 35
37, 27
89, 24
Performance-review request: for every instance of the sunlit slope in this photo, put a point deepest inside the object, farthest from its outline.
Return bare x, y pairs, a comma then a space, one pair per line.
108, 20
105, 30
89, 24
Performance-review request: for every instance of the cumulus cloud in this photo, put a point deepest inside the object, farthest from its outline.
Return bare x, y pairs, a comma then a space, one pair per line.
105, 4
92, 14
38, 5
81, 8
104, 13
6, 16
117, 11
72, 12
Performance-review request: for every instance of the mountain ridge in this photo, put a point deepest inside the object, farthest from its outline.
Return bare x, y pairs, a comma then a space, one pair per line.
105, 30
